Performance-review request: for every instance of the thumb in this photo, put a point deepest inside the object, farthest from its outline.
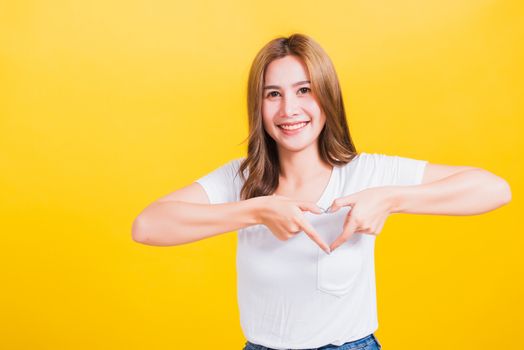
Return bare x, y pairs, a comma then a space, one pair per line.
312, 207
339, 203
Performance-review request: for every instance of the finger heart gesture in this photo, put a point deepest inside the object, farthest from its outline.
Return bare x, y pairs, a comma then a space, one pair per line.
369, 211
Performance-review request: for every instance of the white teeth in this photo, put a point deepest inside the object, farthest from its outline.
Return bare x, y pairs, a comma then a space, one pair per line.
293, 127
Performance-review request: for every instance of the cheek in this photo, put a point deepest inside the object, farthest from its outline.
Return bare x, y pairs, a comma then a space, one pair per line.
268, 110
314, 108
266, 122
267, 115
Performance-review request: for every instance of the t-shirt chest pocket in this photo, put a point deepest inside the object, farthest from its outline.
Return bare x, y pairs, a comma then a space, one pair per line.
337, 272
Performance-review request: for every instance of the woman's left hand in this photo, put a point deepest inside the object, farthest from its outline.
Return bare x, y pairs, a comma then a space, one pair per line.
369, 211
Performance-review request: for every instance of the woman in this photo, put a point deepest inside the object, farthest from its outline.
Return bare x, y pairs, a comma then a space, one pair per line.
306, 274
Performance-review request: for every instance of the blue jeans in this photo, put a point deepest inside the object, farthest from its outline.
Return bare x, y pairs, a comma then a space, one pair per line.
369, 342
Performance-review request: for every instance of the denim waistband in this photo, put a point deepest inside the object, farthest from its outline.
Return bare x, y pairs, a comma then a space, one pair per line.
370, 339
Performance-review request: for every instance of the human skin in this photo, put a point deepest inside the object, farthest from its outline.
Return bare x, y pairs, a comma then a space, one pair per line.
468, 192
445, 190
186, 215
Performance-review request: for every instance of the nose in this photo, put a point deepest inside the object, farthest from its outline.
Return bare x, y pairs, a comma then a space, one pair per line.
290, 105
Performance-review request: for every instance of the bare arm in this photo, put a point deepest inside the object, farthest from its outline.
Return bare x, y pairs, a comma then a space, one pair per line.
168, 223
186, 215
469, 192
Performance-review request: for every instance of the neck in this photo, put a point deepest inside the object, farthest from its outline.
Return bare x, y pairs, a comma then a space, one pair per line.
298, 168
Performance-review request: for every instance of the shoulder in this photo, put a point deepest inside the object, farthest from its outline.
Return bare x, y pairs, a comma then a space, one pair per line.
226, 171
393, 169
358, 160
373, 157
238, 161
384, 162
235, 164
379, 159
233, 168
232, 165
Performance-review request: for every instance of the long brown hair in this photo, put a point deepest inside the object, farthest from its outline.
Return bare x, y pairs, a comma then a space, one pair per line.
335, 145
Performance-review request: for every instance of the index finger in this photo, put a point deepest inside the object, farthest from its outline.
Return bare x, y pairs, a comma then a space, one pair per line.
349, 230
310, 231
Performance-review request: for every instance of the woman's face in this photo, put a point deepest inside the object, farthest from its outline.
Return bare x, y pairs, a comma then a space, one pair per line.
289, 102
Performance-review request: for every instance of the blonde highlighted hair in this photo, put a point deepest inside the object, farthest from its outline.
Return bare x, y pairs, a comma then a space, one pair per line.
335, 144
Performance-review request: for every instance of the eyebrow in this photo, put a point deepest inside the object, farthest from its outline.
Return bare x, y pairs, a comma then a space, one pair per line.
295, 84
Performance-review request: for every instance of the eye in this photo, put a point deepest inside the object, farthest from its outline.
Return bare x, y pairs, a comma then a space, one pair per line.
270, 94
304, 90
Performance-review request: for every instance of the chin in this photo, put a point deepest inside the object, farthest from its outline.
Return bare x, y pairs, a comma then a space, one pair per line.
294, 147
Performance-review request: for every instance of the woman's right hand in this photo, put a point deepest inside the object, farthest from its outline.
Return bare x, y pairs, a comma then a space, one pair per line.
284, 218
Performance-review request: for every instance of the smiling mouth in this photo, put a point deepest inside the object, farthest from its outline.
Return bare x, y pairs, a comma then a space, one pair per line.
294, 126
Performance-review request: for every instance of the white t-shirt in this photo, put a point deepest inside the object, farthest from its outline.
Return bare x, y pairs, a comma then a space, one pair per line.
291, 294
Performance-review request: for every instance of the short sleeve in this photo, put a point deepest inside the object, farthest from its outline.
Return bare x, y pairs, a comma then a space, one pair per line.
222, 185
400, 171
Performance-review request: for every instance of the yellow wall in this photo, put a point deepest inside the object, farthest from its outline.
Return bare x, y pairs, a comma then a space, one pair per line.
107, 105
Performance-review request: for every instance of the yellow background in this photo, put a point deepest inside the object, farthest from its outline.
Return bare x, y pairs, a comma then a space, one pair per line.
107, 105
